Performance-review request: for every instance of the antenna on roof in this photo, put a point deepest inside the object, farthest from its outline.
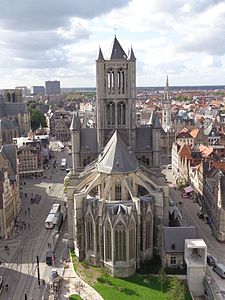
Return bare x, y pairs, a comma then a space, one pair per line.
115, 29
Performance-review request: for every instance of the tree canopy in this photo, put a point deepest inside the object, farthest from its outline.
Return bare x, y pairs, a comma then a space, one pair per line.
37, 118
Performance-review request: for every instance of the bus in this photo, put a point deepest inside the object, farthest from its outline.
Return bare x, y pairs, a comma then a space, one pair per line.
61, 145
63, 164
49, 222
52, 218
55, 208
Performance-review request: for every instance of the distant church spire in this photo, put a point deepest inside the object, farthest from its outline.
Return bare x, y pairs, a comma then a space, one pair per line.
167, 90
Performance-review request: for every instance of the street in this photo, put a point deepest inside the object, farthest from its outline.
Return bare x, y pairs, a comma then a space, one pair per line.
189, 209
32, 239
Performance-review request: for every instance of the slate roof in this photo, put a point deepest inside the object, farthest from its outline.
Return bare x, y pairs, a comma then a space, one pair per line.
75, 124
154, 120
15, 108
132, 56
100, 55
177, 236
222, 186
10, 153
88, 140
119, 208
117, 51
6, 124
116, 157
143, 139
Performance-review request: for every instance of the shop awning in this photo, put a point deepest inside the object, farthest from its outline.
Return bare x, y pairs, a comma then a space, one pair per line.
188, 189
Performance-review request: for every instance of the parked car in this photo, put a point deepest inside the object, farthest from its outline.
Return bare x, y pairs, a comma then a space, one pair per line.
184, 195
220, 270
50, 257
210, 260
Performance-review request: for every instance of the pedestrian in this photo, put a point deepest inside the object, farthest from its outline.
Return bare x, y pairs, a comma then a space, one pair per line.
43, 281
25, 212
28, 209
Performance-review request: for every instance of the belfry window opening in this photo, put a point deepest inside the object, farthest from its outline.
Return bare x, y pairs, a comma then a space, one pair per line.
121, 114
120, 82
111, 82
110, 114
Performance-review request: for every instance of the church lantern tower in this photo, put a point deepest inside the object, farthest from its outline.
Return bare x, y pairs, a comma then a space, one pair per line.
116, 94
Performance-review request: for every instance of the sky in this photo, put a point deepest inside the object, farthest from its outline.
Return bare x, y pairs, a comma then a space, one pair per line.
59, 40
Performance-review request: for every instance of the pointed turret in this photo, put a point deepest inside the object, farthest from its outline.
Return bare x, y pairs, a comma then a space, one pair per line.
117, 51
132, 56
75, 124
100, 55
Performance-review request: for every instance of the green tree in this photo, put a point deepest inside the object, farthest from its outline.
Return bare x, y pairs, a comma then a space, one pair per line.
176, 289
162, 277
37, 118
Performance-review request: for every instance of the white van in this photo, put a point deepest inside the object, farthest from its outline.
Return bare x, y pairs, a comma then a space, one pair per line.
220, 270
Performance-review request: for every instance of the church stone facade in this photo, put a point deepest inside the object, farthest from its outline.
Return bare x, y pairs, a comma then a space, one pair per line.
116, 203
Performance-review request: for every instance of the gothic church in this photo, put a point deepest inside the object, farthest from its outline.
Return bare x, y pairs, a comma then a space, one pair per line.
116, 194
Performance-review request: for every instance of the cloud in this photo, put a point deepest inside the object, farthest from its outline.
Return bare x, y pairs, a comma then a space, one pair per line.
45, 15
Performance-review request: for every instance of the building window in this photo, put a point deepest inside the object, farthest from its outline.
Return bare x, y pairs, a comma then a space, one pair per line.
132, 240
108, 242
173, 260
121, 114
90, 233
148, 234
111, 114
117, 190
120, 242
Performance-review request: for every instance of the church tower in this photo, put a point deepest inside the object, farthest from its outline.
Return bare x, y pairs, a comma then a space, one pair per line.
166, 114
115, 95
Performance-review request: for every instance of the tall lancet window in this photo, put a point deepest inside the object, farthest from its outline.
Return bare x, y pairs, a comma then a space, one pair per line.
90, 233
120, 82
121, 114
111, 81
117, 190
132, 248
111, 114
120, 242
148, 232
108, 241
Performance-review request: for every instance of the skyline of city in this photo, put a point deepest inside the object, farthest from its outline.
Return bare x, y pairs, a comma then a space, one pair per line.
53, 42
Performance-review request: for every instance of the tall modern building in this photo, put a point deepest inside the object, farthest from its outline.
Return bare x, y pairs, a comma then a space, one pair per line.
52, 87
116, 194
37, 90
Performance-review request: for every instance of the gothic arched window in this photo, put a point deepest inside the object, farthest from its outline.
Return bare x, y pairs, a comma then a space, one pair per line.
110, 81
148, 232
121, 114
132, 240
117, 189
111, 114
90, 233
108, 241
121, 81
120, 242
